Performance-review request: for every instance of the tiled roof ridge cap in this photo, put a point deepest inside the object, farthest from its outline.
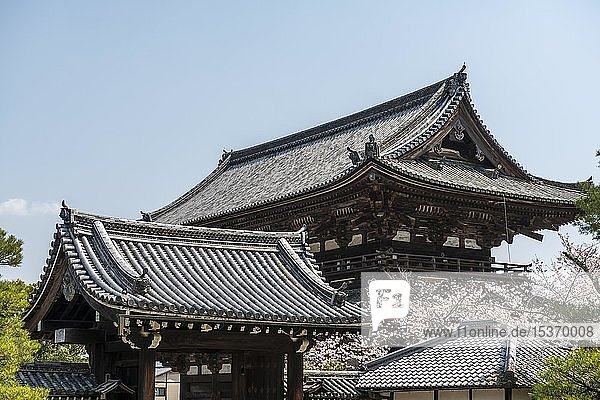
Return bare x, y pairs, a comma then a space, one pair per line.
308, 273
122, 225
335, 125
565, 185
56, 366
413, 348
332, 374
190, 193
493, 140
430, 127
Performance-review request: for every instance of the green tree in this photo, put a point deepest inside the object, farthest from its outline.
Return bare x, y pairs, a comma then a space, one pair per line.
16, 347
577, 375
573, 377
61, 352
589, 221
11, 250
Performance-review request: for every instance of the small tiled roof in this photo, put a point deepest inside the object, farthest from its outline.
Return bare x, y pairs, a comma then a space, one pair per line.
59, 378
113, 385
464, 362
331, 385
206, 274
318, 157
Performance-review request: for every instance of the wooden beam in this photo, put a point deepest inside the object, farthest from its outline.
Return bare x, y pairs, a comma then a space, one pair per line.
146, 362
295, 374
117, 347
79, 336
224, 340
533, 235
54, 324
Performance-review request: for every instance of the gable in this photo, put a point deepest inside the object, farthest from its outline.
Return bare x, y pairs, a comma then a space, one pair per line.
464, 137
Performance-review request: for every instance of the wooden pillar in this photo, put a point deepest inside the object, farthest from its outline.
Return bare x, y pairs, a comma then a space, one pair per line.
146, 363
295, 375
97, 361
238, 376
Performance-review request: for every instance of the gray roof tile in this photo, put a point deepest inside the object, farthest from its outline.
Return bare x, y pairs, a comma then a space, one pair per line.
206, 274
456, 363
458, 174
331, 385
312, 159
59, 378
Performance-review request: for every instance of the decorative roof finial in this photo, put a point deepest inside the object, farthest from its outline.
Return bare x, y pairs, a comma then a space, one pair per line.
338, 299
147, 217
371, 148
142, 283
456, 80
66, 213
225, 155
354, 156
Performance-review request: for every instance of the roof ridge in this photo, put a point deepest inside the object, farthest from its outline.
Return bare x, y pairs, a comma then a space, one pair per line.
494, 142
190, 193
303, 136
413, 348
332, 126
114, 223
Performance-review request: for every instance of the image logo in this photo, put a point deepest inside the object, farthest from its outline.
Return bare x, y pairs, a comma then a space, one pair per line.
389, 299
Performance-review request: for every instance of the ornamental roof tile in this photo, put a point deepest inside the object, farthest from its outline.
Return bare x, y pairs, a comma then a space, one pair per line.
464, 362
205, 274
318, 157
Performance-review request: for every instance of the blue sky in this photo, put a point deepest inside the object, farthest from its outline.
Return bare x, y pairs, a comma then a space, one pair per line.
121, 106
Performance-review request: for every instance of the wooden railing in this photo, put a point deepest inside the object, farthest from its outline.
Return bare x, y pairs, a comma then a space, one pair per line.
390, 261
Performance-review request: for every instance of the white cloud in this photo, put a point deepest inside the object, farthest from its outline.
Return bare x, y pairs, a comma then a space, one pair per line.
24, 208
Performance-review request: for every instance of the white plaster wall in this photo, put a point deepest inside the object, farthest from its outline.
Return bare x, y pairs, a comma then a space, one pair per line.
520, 394
454, 394
413, 395
173, 391
488, 394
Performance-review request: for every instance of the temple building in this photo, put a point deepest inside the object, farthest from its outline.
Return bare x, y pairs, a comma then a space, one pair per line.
418, 182
240, 275
136, 292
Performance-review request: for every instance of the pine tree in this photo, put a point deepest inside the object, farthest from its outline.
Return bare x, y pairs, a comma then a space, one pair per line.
16, 347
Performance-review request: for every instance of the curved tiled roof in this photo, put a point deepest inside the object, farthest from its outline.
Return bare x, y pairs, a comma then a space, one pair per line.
68, 379
454, 363
268, 175
332, 385
196, 273
317, 158
470, 177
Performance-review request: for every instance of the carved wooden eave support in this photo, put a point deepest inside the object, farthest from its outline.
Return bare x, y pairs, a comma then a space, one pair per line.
139, 336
